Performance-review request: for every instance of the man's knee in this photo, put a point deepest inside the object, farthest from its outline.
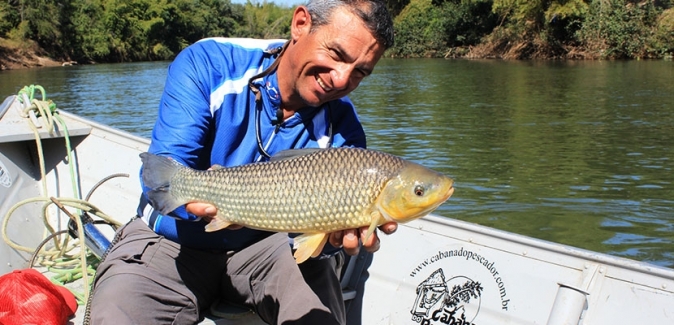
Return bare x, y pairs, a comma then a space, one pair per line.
135, 299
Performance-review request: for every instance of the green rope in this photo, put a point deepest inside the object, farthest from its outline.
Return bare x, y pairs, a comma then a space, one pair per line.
58, 260
49, 113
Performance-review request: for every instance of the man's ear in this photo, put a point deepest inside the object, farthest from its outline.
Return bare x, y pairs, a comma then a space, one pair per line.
301, 23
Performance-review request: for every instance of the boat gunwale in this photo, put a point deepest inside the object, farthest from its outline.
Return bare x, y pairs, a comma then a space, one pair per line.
567, 250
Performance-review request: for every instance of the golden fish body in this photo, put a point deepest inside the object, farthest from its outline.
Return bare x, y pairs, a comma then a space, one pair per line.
309, 191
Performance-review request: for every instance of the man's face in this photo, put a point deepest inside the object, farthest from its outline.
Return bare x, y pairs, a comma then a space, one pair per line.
329, 62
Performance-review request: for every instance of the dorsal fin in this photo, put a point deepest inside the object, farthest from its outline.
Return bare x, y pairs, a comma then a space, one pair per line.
292, 153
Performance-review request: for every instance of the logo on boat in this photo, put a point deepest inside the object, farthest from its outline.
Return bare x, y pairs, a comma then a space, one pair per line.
5, 180
455, 290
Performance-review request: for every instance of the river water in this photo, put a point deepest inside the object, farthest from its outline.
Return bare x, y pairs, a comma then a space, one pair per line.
579, 153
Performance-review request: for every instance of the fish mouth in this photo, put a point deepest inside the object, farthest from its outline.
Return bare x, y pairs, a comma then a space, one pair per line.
449, 192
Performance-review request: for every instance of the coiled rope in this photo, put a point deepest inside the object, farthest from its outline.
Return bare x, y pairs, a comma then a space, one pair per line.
59, 259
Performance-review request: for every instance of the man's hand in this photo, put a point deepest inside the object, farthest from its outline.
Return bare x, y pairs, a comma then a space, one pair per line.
349, 238
206, 212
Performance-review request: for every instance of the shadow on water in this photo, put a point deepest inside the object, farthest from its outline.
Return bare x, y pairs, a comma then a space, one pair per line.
572, 152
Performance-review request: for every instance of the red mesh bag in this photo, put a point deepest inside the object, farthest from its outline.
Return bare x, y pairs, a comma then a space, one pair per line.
28, 297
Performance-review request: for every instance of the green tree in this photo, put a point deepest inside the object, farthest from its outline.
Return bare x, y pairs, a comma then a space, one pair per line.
432, 28
134, 30
88, 38
9, 16
184, 22
466, 21
662, 42
39, 20
618, 29
419, 31
396, 6
537, 28
265, 20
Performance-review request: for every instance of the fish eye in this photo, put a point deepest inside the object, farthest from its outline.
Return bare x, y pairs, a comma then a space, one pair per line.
419, 190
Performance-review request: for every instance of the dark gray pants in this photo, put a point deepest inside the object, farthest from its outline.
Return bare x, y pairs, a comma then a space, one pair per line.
147, 279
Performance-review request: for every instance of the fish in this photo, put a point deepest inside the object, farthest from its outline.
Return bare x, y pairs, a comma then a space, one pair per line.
312, 192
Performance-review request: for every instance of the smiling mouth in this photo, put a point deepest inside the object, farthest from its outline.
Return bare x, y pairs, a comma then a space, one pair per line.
322, 84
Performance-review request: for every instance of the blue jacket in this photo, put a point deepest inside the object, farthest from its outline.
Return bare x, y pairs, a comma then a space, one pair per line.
206, 117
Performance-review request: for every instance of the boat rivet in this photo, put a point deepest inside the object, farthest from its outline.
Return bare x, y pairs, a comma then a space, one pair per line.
470, 240
524, 253
601, 270
664, 286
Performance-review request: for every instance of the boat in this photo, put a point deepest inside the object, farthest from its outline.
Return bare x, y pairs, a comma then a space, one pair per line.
434, 270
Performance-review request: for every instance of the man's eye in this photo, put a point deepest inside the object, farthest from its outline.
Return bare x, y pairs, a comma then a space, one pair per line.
336, 55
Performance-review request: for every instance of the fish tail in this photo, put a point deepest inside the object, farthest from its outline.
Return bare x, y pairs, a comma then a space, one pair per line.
157, 174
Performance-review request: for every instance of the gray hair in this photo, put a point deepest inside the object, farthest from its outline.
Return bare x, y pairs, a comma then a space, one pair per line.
373, 13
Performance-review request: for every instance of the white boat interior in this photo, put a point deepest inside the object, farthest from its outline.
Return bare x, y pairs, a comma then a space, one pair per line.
435, 270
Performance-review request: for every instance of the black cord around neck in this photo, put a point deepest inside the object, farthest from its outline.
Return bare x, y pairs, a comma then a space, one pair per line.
258, 98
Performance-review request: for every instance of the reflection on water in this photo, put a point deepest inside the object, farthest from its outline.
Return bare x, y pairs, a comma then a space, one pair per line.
572, 152
125, 96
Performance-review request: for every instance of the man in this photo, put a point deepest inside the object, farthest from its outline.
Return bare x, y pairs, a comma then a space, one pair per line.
231, 102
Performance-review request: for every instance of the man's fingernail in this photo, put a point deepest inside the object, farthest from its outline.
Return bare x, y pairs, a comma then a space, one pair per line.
350, 236
210, 210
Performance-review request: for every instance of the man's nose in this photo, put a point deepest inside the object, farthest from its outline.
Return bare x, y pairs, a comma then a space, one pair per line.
341, 76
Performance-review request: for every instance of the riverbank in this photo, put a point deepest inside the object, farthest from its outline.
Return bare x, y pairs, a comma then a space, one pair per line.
14, 57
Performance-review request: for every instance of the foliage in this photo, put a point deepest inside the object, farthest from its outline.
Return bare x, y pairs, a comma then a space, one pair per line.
418, 30
89, 39
520, 11
265, 20
431, 28
466, 22
535, 27
619, 29
9, 18
662, 42
576, 28
134, 30
562, 19
396, 6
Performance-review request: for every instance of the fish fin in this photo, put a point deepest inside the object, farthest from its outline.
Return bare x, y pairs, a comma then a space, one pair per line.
309, 245
376, 216
157, 173
292, 153
217, 224
216, 167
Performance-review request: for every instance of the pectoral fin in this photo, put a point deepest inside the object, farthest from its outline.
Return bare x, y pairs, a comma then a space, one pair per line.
217, 224
309, 245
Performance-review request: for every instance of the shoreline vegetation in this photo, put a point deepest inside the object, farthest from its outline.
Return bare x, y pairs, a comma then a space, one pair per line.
44, 33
